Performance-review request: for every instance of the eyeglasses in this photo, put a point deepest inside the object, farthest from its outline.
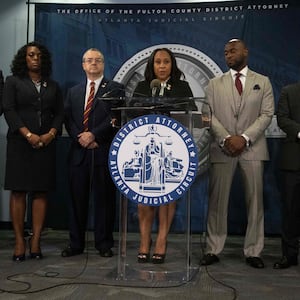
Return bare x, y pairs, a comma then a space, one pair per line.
91, 60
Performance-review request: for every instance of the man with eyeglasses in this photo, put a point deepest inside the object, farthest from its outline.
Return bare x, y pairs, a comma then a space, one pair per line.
89, 122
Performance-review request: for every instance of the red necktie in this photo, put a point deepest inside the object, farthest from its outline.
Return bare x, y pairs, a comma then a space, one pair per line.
88, 107
238, 83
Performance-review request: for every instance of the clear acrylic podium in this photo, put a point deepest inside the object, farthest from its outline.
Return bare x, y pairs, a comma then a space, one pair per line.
182, 261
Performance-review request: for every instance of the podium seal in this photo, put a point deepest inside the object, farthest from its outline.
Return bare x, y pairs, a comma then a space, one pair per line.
153, 160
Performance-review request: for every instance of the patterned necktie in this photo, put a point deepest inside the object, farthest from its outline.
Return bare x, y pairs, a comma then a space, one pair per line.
238, 83
88, 107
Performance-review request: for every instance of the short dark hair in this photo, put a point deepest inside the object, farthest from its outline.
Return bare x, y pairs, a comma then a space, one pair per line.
19, 65
176, 73
236, 40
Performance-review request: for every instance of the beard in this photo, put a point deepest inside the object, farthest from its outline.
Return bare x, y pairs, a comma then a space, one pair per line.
237, 65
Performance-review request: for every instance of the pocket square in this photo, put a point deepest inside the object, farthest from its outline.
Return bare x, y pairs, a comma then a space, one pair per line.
256, 87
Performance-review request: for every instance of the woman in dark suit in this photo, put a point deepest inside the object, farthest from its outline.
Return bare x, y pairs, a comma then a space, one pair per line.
163, 67
33, 109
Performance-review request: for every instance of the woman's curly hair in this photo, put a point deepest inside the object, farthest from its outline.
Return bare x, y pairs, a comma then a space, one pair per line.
19, 64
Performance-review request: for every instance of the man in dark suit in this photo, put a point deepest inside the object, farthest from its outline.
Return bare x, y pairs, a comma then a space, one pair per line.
89, 122
288, 117
1, 92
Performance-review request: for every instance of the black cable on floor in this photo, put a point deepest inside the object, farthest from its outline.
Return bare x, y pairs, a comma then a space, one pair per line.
55, 275
213, 278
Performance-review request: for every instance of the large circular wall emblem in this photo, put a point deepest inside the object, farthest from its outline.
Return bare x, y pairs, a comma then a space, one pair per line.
198, 69
153, 160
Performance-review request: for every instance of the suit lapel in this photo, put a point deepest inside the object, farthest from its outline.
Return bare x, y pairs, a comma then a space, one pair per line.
249, 83
44, 86
103, 88
79, 101
37, 100
247, 89
30, 84
228, 91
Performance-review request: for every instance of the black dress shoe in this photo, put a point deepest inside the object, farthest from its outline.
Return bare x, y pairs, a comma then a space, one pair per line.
209, 259
106, 253
67, 252
255, 262
285, 263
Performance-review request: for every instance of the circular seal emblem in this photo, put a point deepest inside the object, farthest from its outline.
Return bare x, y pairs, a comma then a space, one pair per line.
153, 160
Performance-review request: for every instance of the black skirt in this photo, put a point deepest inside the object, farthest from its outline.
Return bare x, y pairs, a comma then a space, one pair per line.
29, 169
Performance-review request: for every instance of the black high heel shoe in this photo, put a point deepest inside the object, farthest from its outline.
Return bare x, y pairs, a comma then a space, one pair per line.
20, 257
144, 257
158, 258
34, 255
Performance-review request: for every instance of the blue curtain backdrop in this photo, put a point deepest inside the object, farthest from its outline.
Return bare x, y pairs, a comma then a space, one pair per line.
120, 31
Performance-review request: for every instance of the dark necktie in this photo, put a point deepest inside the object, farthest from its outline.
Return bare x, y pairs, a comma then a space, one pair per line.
238, 83
88, 107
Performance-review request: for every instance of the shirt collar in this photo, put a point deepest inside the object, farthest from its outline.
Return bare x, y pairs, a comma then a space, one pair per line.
164, 83
97, 81
244, 72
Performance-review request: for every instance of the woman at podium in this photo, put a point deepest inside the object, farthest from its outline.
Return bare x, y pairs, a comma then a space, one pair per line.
164, 79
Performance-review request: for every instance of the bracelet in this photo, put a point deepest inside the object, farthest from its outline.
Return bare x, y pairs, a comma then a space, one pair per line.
28, 135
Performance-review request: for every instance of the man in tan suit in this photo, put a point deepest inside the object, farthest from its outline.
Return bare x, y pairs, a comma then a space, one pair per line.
242, 108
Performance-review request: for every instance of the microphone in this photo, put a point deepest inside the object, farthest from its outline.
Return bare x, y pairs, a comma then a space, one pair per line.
154, 84
136, 95
108, 95
111, 92
114, 103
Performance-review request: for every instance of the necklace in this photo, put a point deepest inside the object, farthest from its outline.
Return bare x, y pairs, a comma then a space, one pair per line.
37, 83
